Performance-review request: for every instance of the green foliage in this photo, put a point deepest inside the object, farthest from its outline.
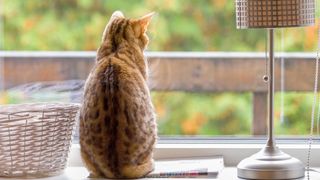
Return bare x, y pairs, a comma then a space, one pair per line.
181, 25
205, 114
296, 113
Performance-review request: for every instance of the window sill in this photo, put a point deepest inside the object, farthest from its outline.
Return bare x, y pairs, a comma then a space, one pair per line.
232, 153
80, 173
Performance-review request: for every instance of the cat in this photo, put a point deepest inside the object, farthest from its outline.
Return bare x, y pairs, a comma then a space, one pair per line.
118, 128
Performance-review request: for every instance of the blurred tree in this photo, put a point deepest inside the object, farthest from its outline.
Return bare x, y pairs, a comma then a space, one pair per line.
187, 25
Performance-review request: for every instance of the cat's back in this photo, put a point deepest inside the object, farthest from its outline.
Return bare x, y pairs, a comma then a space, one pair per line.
117, 117
115, 87
116, 75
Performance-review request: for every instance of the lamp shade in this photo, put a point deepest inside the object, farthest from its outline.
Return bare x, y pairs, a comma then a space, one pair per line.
274, 13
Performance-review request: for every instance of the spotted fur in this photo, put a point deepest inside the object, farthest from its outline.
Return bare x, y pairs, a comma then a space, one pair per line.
117, 120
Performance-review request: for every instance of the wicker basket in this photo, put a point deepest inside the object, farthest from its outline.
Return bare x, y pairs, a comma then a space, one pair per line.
35, 138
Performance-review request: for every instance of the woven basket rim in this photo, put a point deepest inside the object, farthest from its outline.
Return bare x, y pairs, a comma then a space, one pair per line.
8, 109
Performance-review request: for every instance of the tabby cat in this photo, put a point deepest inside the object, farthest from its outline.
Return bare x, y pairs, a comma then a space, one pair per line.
117, 121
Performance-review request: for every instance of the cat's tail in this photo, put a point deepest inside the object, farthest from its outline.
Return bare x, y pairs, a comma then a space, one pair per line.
138, 171
128, 171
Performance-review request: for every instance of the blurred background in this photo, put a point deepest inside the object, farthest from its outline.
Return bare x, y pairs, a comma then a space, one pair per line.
180, 25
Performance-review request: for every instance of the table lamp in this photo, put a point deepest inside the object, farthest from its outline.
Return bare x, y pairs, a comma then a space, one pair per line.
270, 162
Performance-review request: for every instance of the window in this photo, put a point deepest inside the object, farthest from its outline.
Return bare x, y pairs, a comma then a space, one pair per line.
218, 92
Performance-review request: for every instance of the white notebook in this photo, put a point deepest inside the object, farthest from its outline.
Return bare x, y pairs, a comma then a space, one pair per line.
203, 167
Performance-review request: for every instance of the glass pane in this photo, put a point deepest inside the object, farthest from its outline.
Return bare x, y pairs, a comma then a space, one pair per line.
1, 48
203, 114
294, 116
180, 25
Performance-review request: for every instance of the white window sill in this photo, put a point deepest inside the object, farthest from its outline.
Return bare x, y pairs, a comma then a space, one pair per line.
232, 153
80, 173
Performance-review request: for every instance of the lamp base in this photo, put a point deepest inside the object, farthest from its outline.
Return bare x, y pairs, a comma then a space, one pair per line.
270, 163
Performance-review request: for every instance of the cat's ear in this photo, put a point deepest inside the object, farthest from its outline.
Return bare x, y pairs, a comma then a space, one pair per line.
140, 25
115, 15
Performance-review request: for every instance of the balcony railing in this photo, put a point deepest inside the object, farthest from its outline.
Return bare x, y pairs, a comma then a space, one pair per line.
173, 71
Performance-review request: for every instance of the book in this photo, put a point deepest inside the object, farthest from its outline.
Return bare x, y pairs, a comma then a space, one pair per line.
203, 167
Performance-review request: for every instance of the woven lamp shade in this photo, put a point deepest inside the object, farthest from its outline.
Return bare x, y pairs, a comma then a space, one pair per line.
274, 13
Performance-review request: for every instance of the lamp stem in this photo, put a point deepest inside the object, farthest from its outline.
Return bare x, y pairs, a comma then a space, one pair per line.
271, 142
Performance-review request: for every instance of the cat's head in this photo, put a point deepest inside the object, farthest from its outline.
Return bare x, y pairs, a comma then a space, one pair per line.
124, 30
